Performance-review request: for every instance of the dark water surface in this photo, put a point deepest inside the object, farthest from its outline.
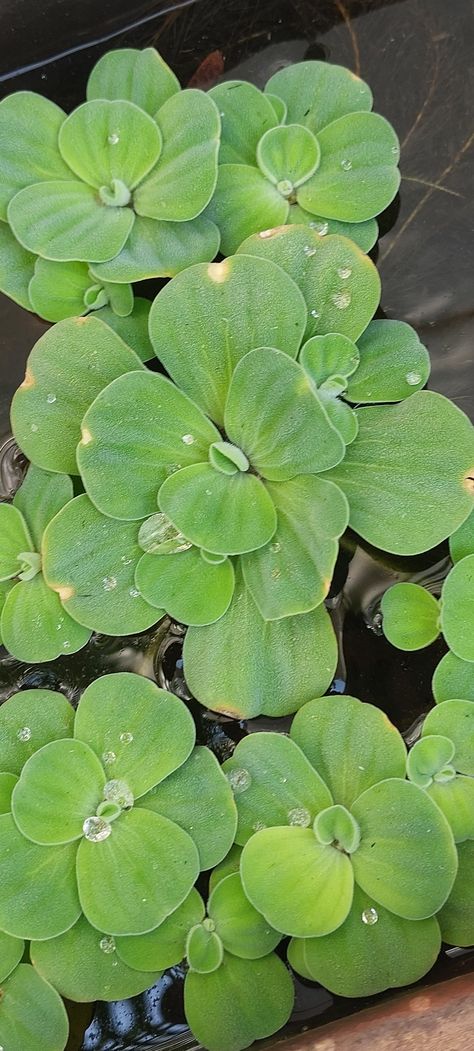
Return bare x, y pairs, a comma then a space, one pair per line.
417, 57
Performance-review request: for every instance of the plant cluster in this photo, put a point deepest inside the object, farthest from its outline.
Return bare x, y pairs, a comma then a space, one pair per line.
202, 457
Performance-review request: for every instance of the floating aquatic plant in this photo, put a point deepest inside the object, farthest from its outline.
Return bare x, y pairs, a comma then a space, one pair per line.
32, 1014
78, 835
307, 149
110, 194
442, 762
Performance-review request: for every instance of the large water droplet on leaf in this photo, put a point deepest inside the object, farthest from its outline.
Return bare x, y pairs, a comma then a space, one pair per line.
370, 916
96, 829
239, 780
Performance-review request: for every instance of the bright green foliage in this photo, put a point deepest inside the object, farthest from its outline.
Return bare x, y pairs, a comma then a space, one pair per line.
32, 1015
377, 831
139, 153
74, 834
16, 268
453, 678
33, 625
455, 719
457, 609
410, 616
371, 951
19, 739
461, 543
328, 159
456, 919
433, 764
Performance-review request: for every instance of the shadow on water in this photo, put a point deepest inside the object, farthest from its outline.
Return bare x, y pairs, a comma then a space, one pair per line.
416, 55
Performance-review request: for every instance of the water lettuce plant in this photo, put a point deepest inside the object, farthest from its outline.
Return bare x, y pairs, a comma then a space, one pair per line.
118, 186
79, 835
32, 1014
442, 762
335, 841
306, 149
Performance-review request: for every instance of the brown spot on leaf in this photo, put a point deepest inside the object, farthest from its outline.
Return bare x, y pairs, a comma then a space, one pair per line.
65, 591
233, 713
29, 380
219, 272
468, 482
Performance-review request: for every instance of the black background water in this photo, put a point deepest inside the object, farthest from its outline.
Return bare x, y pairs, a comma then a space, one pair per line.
417, 57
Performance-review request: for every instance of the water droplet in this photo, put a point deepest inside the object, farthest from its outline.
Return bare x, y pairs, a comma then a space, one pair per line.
413, 378
108, 758
109, 583
126, 737
51, 399
258, 826
126, 561
370, 916
119, 792
96, 829
34, 427
24, 734
113, 139
157, 535
134, 593
344, 272
314, 313
275, 547
276, 573
66, 644
239, 781
299, 816
321, 228
172, 468
188, 439
107, 944
222, 114
346, 164
208, 492
341, 300
309, 251
394, 149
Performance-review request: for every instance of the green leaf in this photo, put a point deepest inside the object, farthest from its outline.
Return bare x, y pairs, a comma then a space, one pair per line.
165, 946
364, 235
161, 249
316, 93
243, 1001
16, 267
230, 864
199, 799
34, 625
120, 298
371, 951
456, 918
352, 745
149, 732
29, 126
335, 304
225, 309
274, 784
407, 474
224, 514
393, 364
242, 930
11, 952
278, 106
28, 720
301, 887
65, 220
40, 497
410, 616
67, 368
59, 787
324, 357
90, 561
38, 896
133, 329
169, 432
455, 719
292, 574
243, 666
102, 141
358, 175
15, 539
246, 114
190, 589
204, 950
32, 1014
7, 784
429, 756
83, 966
453, 678
461, 543
131, 881
287, 156
456, 800
457, 609
141, 77
407, 858
244, 202
184, 180
57, 290
274, 414
339, 414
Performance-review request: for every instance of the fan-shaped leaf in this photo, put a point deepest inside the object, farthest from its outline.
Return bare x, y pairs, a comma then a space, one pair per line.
411, 616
